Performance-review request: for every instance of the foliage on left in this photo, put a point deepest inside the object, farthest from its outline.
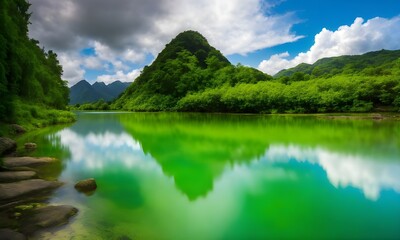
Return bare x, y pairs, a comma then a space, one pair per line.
31, 87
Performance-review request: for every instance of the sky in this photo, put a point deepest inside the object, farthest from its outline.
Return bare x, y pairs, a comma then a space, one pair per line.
105, 41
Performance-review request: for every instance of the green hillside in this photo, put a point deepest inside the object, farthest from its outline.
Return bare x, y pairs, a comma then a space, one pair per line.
190, 75
372, 63
30, 77
188, 64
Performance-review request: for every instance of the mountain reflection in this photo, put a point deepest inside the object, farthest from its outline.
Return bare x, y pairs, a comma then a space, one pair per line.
198, 150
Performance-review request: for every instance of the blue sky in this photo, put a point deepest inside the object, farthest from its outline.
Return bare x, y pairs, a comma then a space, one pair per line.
102, 40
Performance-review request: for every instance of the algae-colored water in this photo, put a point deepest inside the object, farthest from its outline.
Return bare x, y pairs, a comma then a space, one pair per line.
214, 176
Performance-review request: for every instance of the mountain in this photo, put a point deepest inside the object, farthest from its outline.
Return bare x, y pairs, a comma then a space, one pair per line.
186, 65
83, 92
376, 62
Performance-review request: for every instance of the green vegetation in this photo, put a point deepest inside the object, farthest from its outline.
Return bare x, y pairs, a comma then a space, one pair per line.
30, 77
189, 75
188, 64
99, 105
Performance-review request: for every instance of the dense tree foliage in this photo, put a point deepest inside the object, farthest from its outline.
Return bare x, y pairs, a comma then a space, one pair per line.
371, 64
188, 64
189, 75
29, 75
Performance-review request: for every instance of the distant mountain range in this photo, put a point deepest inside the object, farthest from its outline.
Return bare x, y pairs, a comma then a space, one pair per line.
83, 92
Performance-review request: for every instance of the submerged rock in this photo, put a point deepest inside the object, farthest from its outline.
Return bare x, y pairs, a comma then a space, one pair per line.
7, 146
8, 234
45, 217
13, 176
87, 185
10, 191
30, 146
12, 162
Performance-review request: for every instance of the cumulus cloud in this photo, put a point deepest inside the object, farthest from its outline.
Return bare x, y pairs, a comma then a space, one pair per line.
119, 75
360, 37
72, 68
129, 30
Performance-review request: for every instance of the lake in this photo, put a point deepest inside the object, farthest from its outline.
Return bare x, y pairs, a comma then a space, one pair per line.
218, 176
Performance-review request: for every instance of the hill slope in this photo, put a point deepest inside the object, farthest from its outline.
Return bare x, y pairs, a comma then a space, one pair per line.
187, 64
372, 63
83, 92
30, 77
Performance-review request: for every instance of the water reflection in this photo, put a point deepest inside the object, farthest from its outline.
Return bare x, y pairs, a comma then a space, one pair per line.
196, 150
184, 176
100, 150
367, 174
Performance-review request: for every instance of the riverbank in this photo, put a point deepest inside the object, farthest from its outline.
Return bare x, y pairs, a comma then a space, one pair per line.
24, 187
24, 192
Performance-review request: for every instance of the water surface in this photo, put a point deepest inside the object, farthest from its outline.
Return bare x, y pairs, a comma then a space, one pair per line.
212, 176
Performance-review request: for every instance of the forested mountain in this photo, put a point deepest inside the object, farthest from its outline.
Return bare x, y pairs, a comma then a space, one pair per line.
187, 64
83, 92
372, 63
190, 75
30, 77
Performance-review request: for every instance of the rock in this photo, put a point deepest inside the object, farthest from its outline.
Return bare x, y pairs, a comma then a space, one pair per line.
8, 234
12, 162
30, 146
7, 146
86, 185
45, 217
17, 129
13, 176
9, 191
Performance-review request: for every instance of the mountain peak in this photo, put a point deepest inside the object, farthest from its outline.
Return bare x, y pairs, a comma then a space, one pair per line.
83, 92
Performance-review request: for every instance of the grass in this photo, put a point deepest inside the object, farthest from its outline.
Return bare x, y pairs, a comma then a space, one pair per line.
31, 116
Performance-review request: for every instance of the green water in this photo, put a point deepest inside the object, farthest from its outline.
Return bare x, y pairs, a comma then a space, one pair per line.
200, 176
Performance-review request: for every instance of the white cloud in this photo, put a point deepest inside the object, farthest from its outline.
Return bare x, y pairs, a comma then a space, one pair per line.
72, 68
119, 75
93, 62
128, 30
360, 37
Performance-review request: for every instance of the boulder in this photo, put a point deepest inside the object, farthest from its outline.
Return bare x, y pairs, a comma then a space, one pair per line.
30, 146
8, 234
45, 217
87, 185
13, 162
17, 129
7, 146
10, 191
13, 176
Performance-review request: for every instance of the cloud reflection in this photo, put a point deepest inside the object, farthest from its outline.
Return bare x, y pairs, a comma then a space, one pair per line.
98, 150
370, 175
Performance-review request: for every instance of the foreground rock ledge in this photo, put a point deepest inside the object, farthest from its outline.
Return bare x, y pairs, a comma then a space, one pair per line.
9, 191
6, 177
45, 217
13, 162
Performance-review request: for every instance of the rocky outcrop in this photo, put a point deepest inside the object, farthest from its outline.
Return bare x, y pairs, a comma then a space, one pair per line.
87, 185
45, 217
13, 162
8, 234
13, 176
30, 146
10, 191
17, 129
7, 146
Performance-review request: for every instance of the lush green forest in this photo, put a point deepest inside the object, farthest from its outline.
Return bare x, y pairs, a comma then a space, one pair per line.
188, 64
190, 75
31, 87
